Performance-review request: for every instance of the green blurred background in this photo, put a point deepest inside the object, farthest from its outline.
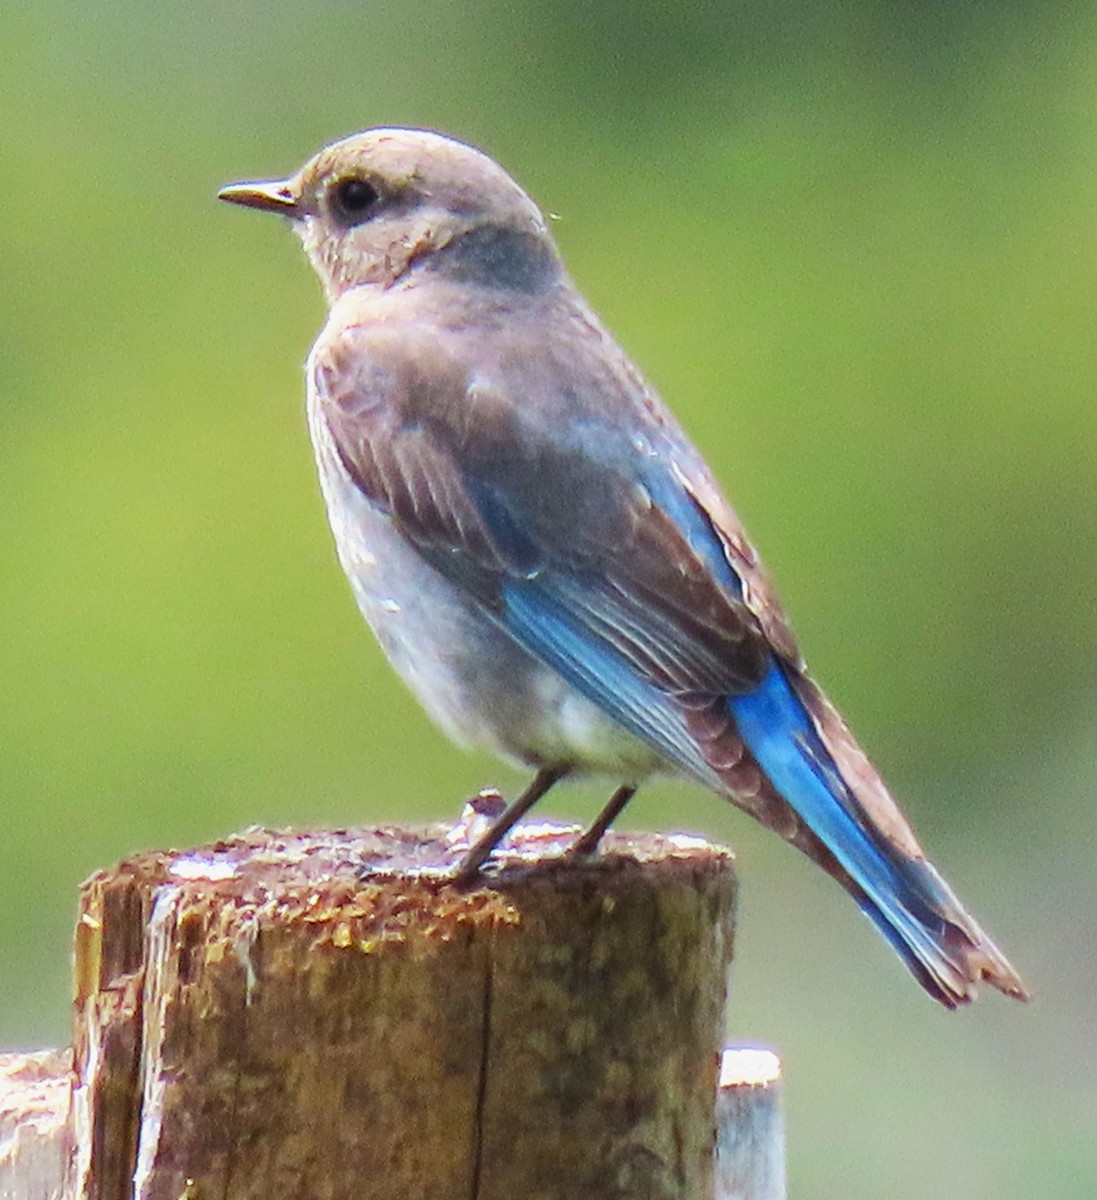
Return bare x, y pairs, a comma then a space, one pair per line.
856, 248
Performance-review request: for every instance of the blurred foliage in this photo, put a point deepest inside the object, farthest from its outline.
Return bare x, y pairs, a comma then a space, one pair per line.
854, 245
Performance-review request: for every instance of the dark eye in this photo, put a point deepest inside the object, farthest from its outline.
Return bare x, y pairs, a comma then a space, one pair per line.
353, 199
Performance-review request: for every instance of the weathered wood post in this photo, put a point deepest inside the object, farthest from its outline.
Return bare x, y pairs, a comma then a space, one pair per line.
298, 1014
323, 1015
35, 1141
750, 1127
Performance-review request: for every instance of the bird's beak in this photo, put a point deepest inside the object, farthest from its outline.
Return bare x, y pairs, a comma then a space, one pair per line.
273, 196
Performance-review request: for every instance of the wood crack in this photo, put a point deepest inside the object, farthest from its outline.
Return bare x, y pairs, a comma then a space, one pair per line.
485, 1064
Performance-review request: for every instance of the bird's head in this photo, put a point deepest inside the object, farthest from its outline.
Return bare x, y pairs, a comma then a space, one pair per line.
370, 206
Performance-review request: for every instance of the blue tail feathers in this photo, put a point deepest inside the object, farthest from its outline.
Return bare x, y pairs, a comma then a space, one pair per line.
904, 897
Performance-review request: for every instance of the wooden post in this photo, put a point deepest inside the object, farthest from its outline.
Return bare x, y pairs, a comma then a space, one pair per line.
35, 1139
750, 1127
322, 1015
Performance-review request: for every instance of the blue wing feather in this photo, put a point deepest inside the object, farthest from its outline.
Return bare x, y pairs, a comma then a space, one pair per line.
537, 619
699, 534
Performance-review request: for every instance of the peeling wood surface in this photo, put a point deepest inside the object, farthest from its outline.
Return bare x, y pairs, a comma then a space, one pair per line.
323, 1015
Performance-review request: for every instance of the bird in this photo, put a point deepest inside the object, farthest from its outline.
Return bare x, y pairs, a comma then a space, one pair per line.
541, 551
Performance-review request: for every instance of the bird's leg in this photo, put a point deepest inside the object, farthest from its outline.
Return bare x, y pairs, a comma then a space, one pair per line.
587, 843
545, 778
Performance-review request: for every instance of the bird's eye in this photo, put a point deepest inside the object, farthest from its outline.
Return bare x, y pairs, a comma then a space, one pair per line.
353, 199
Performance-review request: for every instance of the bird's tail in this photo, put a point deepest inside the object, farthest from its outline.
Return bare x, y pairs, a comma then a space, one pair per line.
840, 813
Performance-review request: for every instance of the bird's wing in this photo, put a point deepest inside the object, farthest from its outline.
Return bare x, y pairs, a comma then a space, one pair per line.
599, 559
508, 505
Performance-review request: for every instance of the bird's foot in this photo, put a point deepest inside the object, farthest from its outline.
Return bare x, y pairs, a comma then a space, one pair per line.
468, 868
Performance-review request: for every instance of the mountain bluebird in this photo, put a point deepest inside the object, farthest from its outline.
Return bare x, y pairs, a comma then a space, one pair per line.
543, 554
